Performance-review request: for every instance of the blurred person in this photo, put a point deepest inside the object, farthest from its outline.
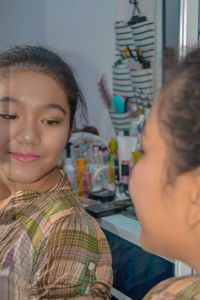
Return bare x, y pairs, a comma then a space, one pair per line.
165, 183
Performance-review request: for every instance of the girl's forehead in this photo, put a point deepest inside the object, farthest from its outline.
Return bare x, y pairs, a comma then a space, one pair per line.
15, 72
28, 77
32, 87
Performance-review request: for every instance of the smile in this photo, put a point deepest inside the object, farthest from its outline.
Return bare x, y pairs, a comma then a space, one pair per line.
25, 157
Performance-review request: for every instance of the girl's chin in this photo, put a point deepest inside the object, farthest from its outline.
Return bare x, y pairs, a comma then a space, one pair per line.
24, 178
22, 181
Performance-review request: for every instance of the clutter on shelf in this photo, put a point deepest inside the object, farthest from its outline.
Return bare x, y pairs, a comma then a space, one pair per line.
100, 169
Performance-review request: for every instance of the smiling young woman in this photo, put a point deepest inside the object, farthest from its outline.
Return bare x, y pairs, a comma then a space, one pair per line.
50, 248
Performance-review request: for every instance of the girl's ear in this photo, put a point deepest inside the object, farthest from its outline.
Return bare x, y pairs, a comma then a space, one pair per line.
193, 213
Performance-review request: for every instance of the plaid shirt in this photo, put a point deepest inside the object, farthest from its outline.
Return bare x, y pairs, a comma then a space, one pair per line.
177, 288
50, 248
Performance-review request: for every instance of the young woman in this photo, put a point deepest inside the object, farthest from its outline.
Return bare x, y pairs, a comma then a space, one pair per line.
50, 248
165, 184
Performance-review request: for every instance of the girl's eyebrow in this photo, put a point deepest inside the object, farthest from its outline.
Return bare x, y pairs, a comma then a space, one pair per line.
7, 99
54, 106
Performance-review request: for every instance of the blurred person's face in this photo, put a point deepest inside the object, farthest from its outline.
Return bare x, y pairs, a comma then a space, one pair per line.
34, 125
161, 207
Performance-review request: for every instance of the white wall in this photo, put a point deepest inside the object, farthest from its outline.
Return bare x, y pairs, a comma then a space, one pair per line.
22, 21
81, 31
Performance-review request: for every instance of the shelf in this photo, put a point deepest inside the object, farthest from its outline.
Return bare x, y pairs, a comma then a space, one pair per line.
124, 227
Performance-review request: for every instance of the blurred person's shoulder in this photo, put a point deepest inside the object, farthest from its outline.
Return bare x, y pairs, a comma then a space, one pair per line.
184, 288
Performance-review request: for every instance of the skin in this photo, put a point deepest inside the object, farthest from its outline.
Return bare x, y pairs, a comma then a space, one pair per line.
34, 118
4, 190
169, 214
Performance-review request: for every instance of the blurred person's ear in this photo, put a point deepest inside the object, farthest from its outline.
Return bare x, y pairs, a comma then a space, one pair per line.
193, 215
193, 210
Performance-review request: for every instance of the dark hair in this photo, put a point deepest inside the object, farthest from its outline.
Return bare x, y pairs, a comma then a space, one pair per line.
91, 129
179, 112
45, 61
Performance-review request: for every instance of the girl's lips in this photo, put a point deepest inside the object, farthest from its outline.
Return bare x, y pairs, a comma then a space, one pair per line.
25, 157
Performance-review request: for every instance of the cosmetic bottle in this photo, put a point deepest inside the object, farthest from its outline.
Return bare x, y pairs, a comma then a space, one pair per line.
81, 167
87, 181
124, 180
70, 171
124, 171
112, 156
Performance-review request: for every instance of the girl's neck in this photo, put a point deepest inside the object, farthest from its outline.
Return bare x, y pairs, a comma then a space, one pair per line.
5, 192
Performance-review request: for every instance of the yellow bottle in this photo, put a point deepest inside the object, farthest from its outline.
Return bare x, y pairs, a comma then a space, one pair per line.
112, 155
81, 167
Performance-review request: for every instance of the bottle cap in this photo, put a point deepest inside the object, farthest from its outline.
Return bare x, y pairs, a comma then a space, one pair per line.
68, 161
125, 162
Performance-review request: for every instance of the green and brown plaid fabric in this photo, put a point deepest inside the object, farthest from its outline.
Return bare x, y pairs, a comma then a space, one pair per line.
50, 248
176, 288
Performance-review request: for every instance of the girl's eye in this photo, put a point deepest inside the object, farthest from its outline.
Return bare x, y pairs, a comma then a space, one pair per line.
8, 117
50, 122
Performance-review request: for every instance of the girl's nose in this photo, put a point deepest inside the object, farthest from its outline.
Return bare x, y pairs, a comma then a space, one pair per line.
28, 133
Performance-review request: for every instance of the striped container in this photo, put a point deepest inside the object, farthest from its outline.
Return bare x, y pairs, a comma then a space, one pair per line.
143, 80
122, 82
124, 38
144, 38
121, 122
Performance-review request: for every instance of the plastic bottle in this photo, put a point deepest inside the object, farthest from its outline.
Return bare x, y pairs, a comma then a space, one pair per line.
112, 156
96, 155
124, 180
137, 153
125, 171
81, 167
87, 180
116, 164
70, 170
